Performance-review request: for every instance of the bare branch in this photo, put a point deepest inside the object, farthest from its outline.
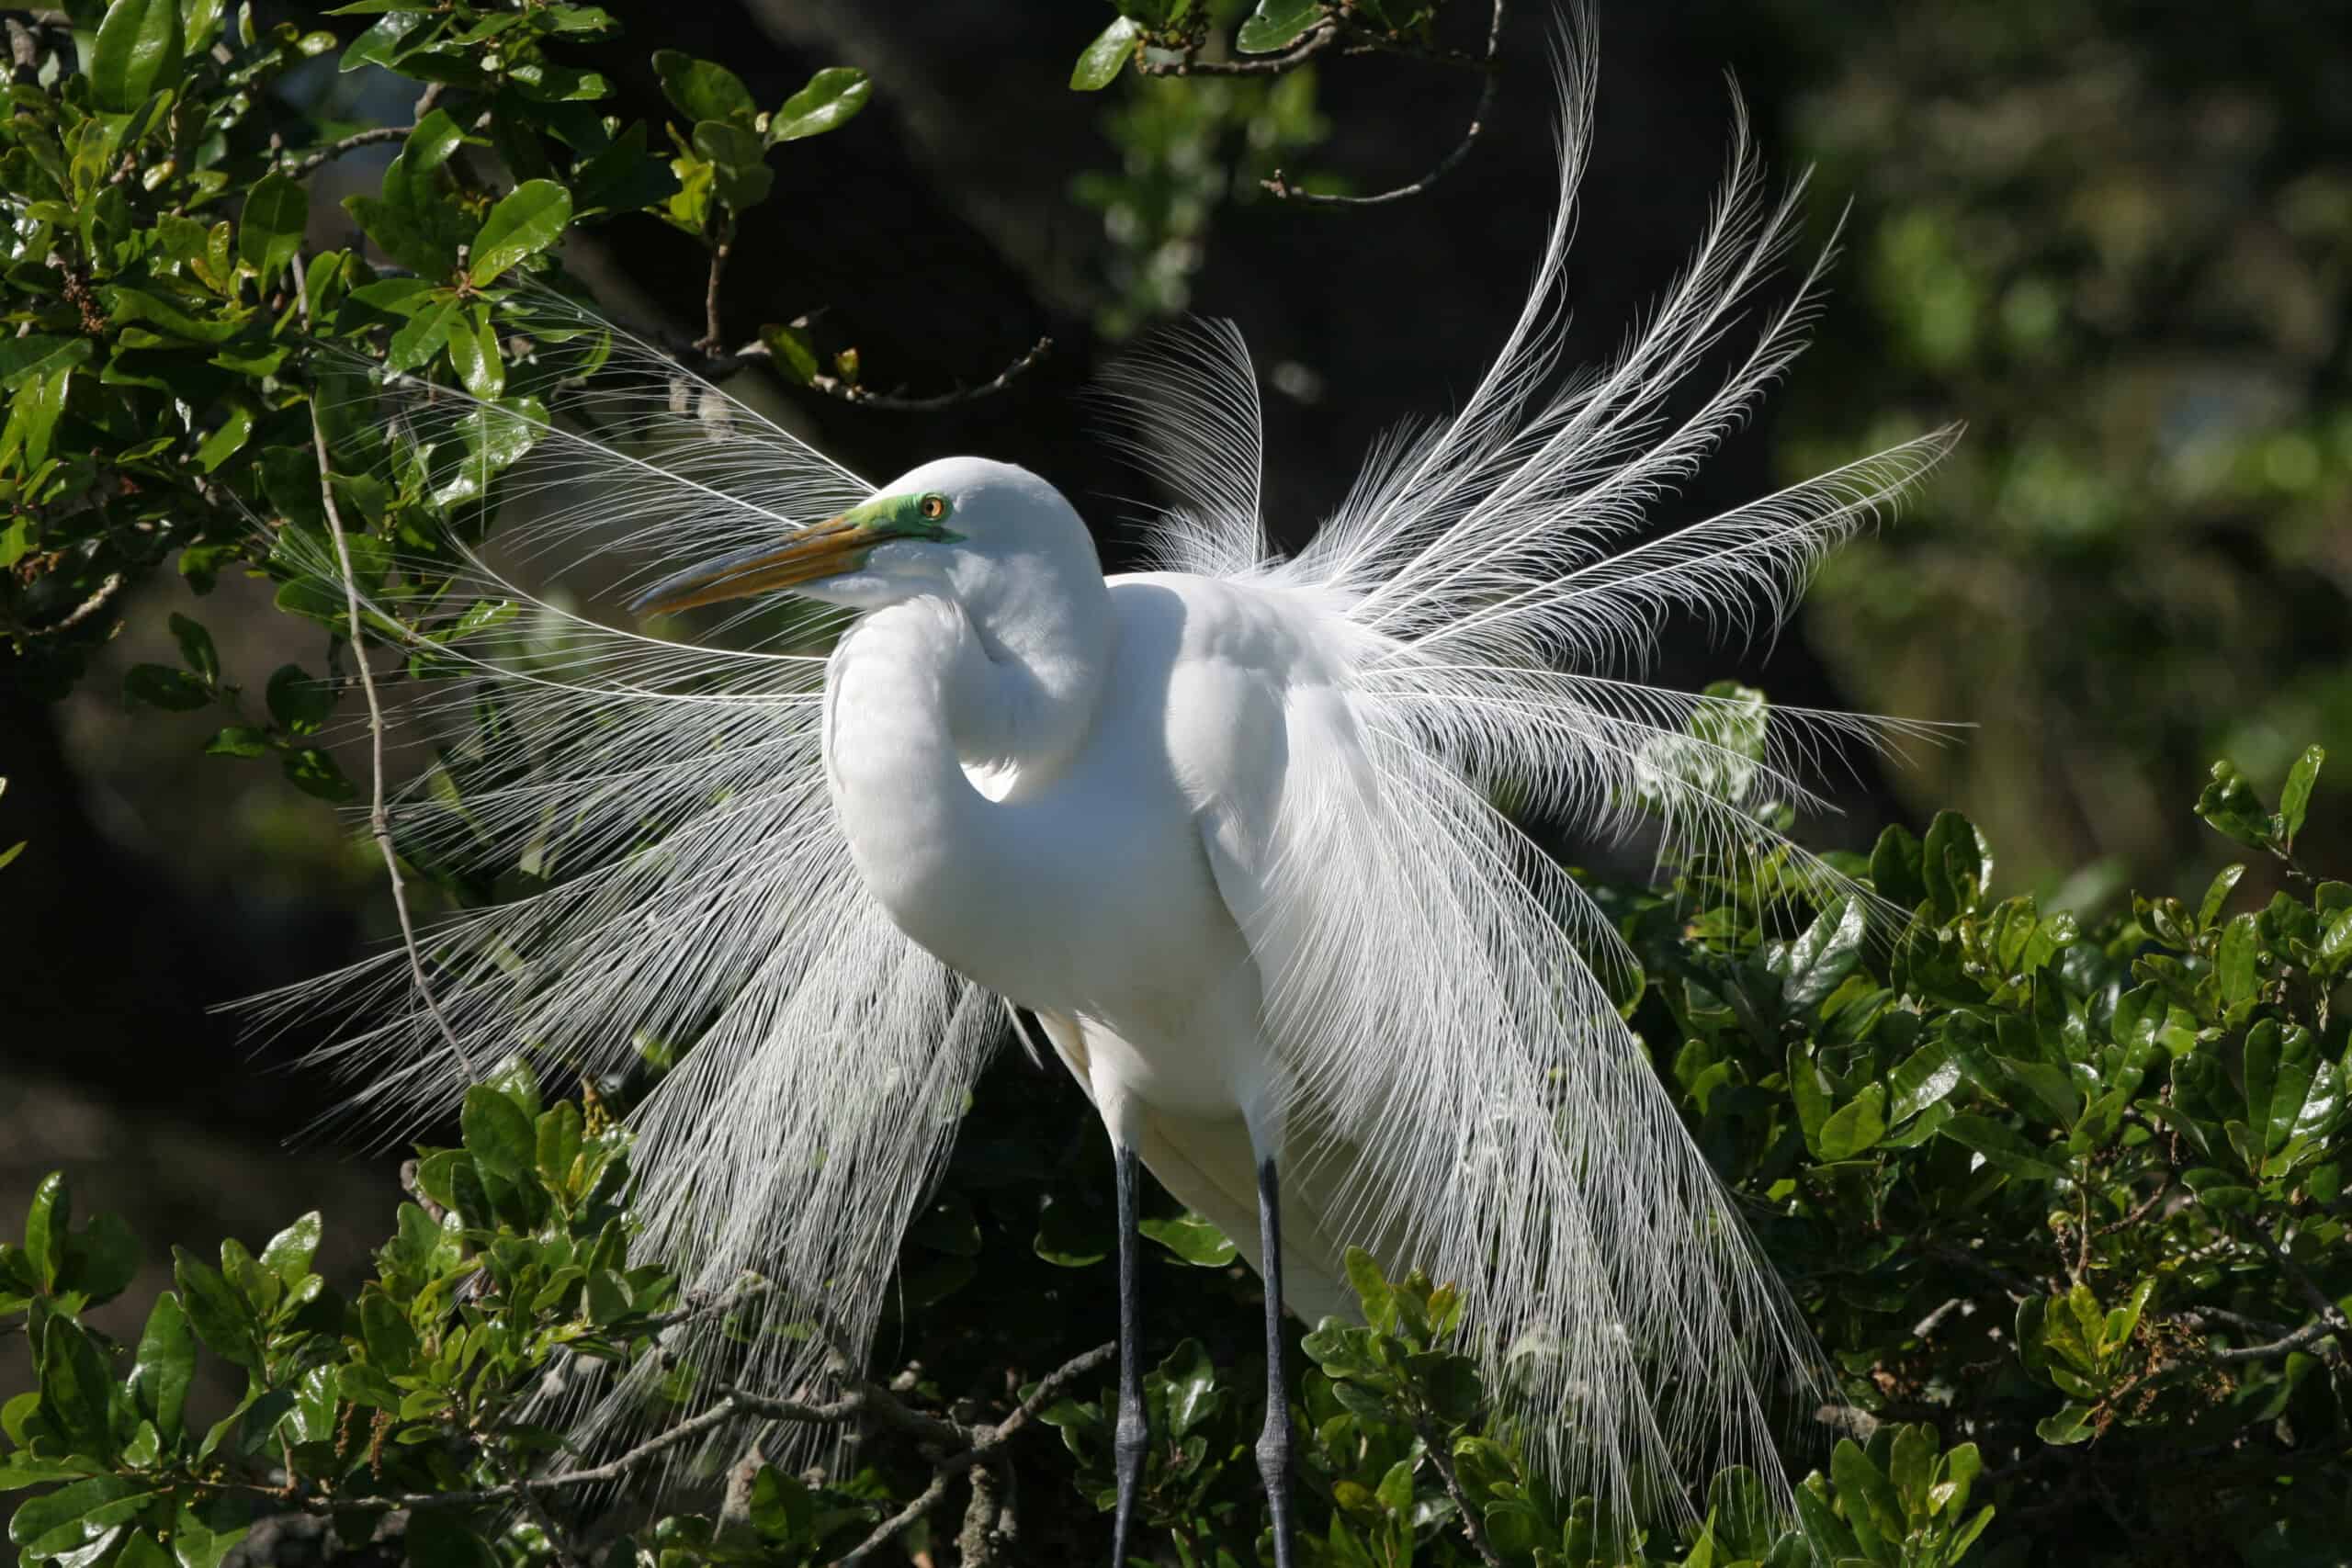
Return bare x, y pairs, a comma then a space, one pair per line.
1433, 1444
296, 168
850, 393
1319, 37
2331, 1316
1479, 116
379, 819
711, 340
2301, 1339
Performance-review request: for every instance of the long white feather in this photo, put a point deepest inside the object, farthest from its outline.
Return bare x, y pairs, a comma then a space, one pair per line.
1434, 983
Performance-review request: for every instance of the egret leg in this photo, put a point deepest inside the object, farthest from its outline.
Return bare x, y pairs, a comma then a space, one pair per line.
1275, 1443
1133, 1435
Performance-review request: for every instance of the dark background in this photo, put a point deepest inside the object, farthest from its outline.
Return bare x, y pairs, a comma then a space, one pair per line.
2116, 239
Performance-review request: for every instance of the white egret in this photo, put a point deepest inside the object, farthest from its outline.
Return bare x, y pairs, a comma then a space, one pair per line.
1226, 829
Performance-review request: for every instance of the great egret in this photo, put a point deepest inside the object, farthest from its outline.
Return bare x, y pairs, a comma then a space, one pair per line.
1226, 829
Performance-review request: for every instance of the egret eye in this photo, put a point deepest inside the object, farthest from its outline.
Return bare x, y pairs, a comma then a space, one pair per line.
933, 507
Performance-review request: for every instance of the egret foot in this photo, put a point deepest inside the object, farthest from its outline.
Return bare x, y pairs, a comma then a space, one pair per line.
1131, 1436
1274, 1441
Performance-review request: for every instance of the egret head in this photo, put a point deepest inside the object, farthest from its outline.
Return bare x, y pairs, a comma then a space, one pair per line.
964, 527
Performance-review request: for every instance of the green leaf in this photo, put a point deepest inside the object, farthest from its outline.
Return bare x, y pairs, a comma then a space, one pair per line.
1192, 1239
298, 701
425, 332
75, 1387
497, 1134
2217, 893
218, 1314
270, 228
2228, 806
101, 1259
67, 1507
1067, 1237
318, 774
289, 1252
1107, 56
391, 1342
738, 166
413, 220
1855, 1126
45, 1225
529, 220
196, 1545
1819, 960
1923, 1079
1372, 1290
473, 349
1276, 24
137, 55
2282, 1067
440, 1538
238, 740
1191, 1387
2296, 798
160, 685
164, 1367
832, 98
702, 90
2233, 959
1956, 864
196, 648
2003, 1146
1871, 1507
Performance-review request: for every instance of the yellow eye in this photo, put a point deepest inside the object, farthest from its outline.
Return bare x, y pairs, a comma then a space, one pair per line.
933, 507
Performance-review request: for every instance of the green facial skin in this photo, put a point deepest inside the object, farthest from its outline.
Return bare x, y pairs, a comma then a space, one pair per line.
887, 517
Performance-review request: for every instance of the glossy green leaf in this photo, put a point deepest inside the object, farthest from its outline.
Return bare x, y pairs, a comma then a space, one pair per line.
2229, 805
498, 1134
137, 53
2003, 1146
2295, 798
1192, 1239
530, 219
164, 1366
220, 1318
832, 100
1856, 1126
1108, 55
1276, 24
702, 89
270, 228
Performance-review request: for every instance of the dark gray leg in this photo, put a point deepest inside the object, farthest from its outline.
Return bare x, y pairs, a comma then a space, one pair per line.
1275, 1443
1133, 1435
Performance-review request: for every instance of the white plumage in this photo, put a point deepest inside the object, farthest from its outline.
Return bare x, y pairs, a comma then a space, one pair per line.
1227, 827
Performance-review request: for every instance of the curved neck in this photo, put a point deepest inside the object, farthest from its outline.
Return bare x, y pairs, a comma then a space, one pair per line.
926, 704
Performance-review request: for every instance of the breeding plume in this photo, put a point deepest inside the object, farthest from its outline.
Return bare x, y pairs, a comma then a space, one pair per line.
1226, 829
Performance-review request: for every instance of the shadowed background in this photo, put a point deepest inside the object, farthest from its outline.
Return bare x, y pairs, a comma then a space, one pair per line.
2116, 239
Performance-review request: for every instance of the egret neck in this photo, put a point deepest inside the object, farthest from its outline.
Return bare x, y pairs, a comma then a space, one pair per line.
940, 707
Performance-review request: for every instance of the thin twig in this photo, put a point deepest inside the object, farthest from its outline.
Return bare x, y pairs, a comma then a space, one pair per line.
379, 818
1279, 186
1318, 38
2330, 1315
1434, 1446
851, 392
565, 1553
711, 340
2301, 1339
351, 144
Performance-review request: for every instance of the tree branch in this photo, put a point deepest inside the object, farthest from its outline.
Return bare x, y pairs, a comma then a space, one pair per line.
2301, 1339
2331, 1316
1434, 1446
1319, 37
850, 393
379, 818
1282, 189
296, 168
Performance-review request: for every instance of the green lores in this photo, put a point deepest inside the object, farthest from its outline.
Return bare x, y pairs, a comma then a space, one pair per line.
825, 549
918, 516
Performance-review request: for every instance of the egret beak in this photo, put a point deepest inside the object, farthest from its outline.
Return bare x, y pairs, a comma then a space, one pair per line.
818, 550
